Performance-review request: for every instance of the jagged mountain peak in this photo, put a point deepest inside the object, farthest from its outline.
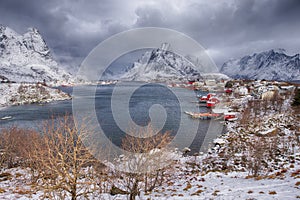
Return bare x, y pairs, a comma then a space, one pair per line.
27, 57
274, 51
33, 40
33, 30
273, 64
161, 64
6, 31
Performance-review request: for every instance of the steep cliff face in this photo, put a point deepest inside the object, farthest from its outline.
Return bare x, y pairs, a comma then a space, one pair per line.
27, 58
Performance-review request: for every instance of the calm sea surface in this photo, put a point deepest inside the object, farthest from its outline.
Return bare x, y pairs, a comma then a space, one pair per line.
140, 102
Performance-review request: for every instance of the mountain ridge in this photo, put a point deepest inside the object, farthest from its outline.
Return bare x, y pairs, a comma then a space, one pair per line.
161, 65
274, 64
27, 58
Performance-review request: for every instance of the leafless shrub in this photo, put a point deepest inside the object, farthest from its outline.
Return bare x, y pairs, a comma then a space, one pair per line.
258, 154
145, 160
65, 165
16, 146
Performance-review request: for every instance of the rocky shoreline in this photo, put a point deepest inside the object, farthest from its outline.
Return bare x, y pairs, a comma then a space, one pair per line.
12, 94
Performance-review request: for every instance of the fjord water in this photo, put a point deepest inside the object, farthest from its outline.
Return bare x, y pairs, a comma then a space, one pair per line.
32, 116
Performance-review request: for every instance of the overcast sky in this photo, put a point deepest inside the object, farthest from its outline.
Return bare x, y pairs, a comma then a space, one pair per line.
226, 28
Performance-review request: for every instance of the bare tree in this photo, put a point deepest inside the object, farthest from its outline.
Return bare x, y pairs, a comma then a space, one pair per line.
145, 160
65, 164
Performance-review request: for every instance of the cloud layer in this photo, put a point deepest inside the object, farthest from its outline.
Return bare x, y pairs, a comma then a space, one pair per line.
226, 28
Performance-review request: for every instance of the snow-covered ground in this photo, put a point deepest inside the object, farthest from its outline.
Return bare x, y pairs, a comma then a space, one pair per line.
17, 94
191, 177
233, 185
219, 173
185, 183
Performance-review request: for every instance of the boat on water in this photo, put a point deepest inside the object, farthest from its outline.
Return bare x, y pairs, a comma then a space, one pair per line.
202, 104
230, 116
202, 115
6, 117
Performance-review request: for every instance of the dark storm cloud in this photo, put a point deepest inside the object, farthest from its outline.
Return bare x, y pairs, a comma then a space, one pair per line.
71, 28
234, 28
226, 28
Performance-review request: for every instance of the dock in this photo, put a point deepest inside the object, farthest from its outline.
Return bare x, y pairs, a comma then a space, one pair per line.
203, 116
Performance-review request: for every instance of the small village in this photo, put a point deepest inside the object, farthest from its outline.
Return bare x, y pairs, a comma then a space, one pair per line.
259, 150
228, 98
150, 100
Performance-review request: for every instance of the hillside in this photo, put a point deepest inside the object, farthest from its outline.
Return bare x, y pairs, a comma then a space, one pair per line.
27, 58
269, 65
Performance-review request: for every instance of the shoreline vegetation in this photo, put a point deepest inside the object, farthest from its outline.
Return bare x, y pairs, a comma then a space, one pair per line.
257, 158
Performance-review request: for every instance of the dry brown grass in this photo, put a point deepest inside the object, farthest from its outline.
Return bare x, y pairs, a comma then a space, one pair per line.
23, 192
16, 145
198, 192
188, 186
296, 173
5, 176
18, 175
272, 192
215, 193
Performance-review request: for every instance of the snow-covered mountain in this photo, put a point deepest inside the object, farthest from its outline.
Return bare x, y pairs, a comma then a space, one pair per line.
161, 65
27, 58
269, 65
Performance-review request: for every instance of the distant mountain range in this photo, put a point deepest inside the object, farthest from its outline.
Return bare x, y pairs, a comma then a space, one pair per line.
269, 65
27, 58
164, 65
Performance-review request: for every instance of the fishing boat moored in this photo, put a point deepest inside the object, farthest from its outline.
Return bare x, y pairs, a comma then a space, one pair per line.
230, 116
